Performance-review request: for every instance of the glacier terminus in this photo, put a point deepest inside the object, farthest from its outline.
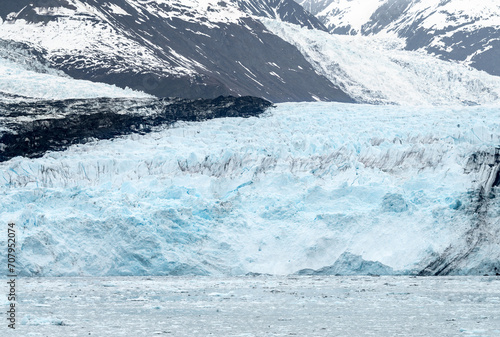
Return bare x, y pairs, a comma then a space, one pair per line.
412, 188
250, 168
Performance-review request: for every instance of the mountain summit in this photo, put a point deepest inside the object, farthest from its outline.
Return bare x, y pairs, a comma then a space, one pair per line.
456, 30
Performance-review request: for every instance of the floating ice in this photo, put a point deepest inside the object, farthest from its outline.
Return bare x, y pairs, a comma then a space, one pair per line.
263, 306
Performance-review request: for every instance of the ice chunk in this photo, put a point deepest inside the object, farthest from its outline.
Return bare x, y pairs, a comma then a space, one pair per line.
394, 203
350, 264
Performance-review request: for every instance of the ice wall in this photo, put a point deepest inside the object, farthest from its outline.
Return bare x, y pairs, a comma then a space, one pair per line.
292, 190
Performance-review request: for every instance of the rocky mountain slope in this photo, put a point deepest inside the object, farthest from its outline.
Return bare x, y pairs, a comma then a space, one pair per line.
190, 49
284, 10
456, 30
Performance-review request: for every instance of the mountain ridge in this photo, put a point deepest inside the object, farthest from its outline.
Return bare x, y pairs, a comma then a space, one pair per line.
167, 48
453, 30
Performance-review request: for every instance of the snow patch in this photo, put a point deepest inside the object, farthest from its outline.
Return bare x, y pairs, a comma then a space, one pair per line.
354, 13
117, 9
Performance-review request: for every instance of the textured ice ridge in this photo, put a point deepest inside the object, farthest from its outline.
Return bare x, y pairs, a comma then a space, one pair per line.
293, 189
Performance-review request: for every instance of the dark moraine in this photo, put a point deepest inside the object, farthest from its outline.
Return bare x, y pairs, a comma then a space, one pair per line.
30, 129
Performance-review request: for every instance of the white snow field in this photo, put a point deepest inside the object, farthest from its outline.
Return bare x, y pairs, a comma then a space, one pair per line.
258, 306
20, 79
377, 70
293, 189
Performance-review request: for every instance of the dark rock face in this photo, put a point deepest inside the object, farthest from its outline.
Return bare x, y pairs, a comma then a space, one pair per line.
285, 10
171, 50
55, 125
386, 14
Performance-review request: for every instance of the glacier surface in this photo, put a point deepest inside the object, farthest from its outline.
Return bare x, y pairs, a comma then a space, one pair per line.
378, 70
293, 189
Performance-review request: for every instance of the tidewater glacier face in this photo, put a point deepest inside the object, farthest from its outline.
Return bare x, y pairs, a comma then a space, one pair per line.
304, 186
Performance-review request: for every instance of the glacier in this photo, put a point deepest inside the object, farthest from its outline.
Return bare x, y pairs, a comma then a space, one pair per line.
458, 30
412, 189
26, 76
377, 70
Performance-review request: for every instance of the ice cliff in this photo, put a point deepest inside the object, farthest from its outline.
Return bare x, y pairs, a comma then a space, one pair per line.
413, 190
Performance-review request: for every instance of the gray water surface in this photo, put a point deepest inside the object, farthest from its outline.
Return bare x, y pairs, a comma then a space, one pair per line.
258, 306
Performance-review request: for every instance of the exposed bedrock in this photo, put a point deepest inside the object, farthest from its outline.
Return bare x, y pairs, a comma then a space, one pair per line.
30, 129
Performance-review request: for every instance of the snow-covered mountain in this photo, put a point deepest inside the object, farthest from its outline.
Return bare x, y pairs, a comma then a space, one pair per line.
314, 6
283, 10
344, 16
459, 30
378, 70
195, 48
